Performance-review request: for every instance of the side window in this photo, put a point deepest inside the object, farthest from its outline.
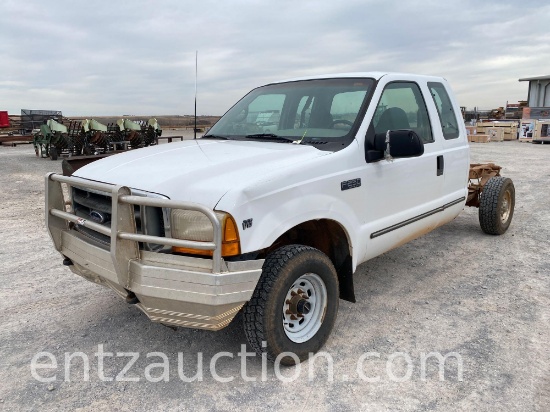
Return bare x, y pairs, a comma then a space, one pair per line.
403, 107
445, 110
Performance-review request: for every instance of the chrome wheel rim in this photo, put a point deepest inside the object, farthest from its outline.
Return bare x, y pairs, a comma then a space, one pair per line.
506, 206
304, 307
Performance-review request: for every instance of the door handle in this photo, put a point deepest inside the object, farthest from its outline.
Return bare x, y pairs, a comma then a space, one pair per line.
440, 165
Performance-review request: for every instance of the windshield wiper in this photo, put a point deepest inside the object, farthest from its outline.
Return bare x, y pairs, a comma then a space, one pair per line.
214, 136
269, 136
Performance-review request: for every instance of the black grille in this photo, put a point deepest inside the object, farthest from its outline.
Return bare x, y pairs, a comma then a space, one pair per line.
97, 207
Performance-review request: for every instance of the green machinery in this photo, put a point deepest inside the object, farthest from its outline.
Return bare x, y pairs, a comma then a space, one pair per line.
129, 131
97, 138
152, 132
138, 134
51, 139
91, 137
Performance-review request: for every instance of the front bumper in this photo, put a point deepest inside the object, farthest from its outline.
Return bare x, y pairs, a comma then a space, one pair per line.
171, 289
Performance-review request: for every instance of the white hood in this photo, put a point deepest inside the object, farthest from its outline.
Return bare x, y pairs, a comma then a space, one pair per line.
200, 171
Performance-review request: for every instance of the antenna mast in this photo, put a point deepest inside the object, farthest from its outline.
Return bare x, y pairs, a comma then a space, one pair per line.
196, 74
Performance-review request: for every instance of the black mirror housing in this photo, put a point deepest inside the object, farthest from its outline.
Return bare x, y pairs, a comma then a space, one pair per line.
402, 144
373, 156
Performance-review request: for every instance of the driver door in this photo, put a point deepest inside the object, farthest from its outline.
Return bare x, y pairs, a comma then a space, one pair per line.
401, 195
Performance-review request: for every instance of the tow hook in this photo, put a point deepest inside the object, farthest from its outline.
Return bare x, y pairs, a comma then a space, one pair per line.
67, 262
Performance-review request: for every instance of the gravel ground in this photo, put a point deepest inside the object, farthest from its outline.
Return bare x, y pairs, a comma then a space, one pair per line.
456, 290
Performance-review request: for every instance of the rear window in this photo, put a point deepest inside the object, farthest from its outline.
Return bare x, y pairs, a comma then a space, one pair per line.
447, 116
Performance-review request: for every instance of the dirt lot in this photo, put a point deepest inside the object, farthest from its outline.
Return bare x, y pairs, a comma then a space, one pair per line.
454, 290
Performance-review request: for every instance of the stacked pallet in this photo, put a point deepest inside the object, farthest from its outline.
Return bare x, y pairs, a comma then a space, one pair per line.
509, 129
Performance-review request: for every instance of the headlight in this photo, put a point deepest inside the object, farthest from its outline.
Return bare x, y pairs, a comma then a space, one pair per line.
195, 226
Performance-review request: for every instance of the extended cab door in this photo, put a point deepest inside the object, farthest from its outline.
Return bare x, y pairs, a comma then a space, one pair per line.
401, 196
448, 127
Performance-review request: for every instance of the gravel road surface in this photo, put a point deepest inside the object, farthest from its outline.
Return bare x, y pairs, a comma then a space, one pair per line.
482, 300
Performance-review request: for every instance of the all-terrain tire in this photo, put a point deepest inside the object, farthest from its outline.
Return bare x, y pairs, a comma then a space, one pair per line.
264, 315
496, 207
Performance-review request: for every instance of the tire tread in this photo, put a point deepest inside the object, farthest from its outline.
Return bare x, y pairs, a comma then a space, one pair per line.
254, 319
489, 216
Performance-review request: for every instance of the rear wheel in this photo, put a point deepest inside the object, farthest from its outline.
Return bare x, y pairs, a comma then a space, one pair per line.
496, 207
294, 305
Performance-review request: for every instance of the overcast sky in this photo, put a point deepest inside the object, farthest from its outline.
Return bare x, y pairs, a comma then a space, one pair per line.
138, 57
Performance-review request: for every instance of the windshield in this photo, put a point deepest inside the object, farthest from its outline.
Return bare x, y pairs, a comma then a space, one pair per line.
307, 111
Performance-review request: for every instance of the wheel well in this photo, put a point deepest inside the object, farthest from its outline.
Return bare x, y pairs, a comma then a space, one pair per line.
331, 239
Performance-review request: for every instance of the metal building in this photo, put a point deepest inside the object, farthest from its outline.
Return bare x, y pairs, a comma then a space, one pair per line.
539, 91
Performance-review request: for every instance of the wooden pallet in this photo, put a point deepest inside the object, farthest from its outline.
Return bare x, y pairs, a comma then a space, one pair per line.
479, 138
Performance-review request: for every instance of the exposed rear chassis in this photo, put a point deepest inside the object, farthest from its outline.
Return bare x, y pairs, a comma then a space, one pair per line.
479, 175
171, 289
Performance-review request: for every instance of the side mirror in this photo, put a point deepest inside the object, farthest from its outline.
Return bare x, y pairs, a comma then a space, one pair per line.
397, 144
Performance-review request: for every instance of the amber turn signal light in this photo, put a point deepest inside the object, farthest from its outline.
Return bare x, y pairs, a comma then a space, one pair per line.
231, 245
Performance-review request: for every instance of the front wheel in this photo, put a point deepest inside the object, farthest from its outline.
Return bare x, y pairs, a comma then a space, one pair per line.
496, 206
294, 305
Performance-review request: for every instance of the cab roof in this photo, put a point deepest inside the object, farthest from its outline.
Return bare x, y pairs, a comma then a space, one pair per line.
372, 75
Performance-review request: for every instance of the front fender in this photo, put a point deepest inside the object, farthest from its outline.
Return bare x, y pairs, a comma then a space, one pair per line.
311, 190
272, 216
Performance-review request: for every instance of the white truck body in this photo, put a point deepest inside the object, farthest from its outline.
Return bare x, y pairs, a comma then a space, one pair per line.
268, 188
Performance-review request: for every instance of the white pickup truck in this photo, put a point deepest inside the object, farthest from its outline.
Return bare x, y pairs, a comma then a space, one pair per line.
272, 210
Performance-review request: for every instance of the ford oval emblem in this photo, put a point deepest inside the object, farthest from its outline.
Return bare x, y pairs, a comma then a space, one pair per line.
97, 216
